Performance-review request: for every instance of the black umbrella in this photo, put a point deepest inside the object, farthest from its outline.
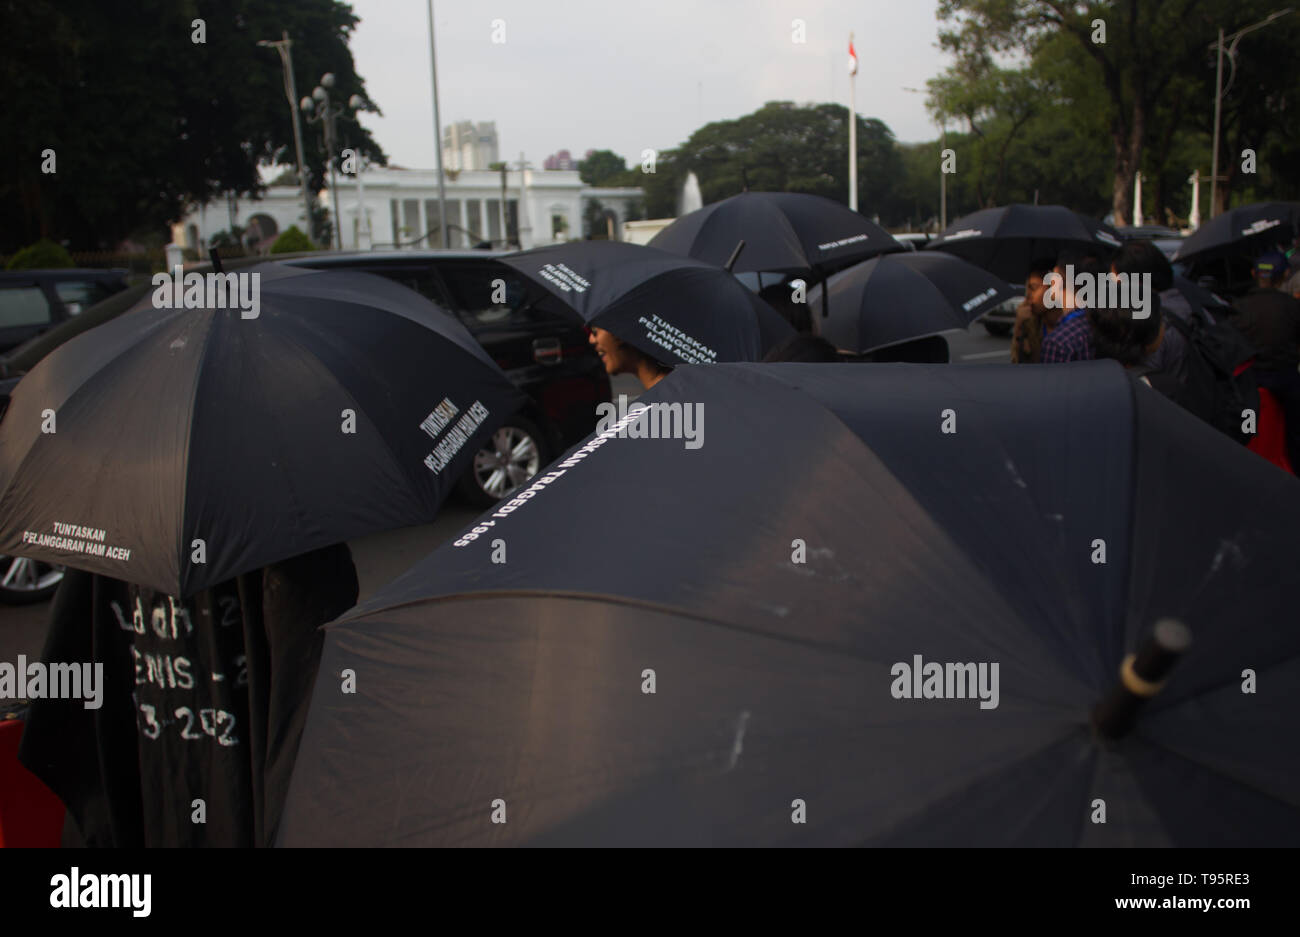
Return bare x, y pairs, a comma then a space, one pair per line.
784, 232
1250, 229
1007, 240
350, 404
675, 309
899, 297
663, 644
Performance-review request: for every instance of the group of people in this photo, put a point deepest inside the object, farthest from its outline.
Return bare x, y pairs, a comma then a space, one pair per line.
1156, 339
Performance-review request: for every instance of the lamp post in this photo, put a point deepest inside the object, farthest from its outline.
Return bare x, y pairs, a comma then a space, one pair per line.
365, 236
1220, 91
284, 46
943, 177
437, 134
319, 110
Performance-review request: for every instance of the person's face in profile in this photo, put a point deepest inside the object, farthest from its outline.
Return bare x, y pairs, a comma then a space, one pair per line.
1034, 290
616, 356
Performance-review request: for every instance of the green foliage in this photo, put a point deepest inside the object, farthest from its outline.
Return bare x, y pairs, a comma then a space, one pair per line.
291, 240
782, 147
43, 255
1096, 113
603, 167
226, 240
143, 120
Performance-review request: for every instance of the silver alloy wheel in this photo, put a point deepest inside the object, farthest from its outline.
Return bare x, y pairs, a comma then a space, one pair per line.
23, 575
510, 459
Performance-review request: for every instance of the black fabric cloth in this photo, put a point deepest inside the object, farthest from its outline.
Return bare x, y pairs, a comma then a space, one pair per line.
1270, 319
204, 699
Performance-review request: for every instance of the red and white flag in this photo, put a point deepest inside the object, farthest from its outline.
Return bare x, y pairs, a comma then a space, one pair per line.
853, 59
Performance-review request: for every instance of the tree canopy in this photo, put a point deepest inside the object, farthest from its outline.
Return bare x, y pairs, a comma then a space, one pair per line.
782, 147
144, 121
1042, 84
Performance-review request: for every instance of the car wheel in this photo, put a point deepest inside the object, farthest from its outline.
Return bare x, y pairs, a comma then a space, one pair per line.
997, 328
512, 456
23, 580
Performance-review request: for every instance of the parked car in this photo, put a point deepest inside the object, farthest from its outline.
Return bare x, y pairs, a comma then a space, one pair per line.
913, 240
543, 351
1002, 318
34, 301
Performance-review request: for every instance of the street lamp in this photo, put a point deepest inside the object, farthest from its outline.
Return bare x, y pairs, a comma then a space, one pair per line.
358, 103
283, 45
319, 110
943, 177
1220, 91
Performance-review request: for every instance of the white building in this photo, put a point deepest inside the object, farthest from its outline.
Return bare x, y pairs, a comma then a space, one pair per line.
388, 207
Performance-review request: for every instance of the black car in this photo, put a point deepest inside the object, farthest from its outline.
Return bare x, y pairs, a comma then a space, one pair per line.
34, 301
542, 350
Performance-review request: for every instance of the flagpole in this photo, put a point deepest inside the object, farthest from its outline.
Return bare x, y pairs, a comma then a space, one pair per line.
853, 134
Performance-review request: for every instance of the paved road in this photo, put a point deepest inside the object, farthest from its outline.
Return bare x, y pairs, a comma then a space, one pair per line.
381, 557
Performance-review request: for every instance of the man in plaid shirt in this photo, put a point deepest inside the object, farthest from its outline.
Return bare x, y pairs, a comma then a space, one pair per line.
1070, 339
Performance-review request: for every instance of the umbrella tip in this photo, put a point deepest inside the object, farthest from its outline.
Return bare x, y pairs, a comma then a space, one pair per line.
1141, 676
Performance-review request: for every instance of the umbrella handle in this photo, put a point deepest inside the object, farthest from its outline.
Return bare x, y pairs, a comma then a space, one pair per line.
735, 255
1142, 676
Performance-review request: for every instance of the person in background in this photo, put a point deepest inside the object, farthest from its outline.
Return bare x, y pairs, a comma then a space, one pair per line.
1121, 336
1067, 335
204, 702
1270, 320
621, 358
1027, 332
1138, 257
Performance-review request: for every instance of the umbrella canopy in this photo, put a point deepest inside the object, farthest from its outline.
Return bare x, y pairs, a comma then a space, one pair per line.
784, 232
675, 309
1250, 229
1006, 241
724, 644
898, 297
350, 404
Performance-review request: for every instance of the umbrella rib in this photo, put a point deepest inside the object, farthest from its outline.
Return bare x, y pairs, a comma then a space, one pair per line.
600, 598
1220, 772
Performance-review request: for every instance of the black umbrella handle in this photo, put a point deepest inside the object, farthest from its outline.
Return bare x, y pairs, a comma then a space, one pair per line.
735, 255
1142, 676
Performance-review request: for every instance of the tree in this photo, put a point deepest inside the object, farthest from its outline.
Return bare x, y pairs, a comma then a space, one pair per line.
1148, 45
783, 147
143, 121
43, 255
603, 167
291, 240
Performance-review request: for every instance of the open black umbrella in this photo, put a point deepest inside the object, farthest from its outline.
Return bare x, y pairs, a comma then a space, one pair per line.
176, 448
1007, 240
736, 643
675, 309
1249, 229
785, 232
898, 297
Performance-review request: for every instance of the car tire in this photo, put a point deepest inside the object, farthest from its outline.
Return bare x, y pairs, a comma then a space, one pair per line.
24, 581
1000, 329
506, 461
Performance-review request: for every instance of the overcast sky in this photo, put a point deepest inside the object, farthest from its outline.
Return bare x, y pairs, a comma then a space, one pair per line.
632, 74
